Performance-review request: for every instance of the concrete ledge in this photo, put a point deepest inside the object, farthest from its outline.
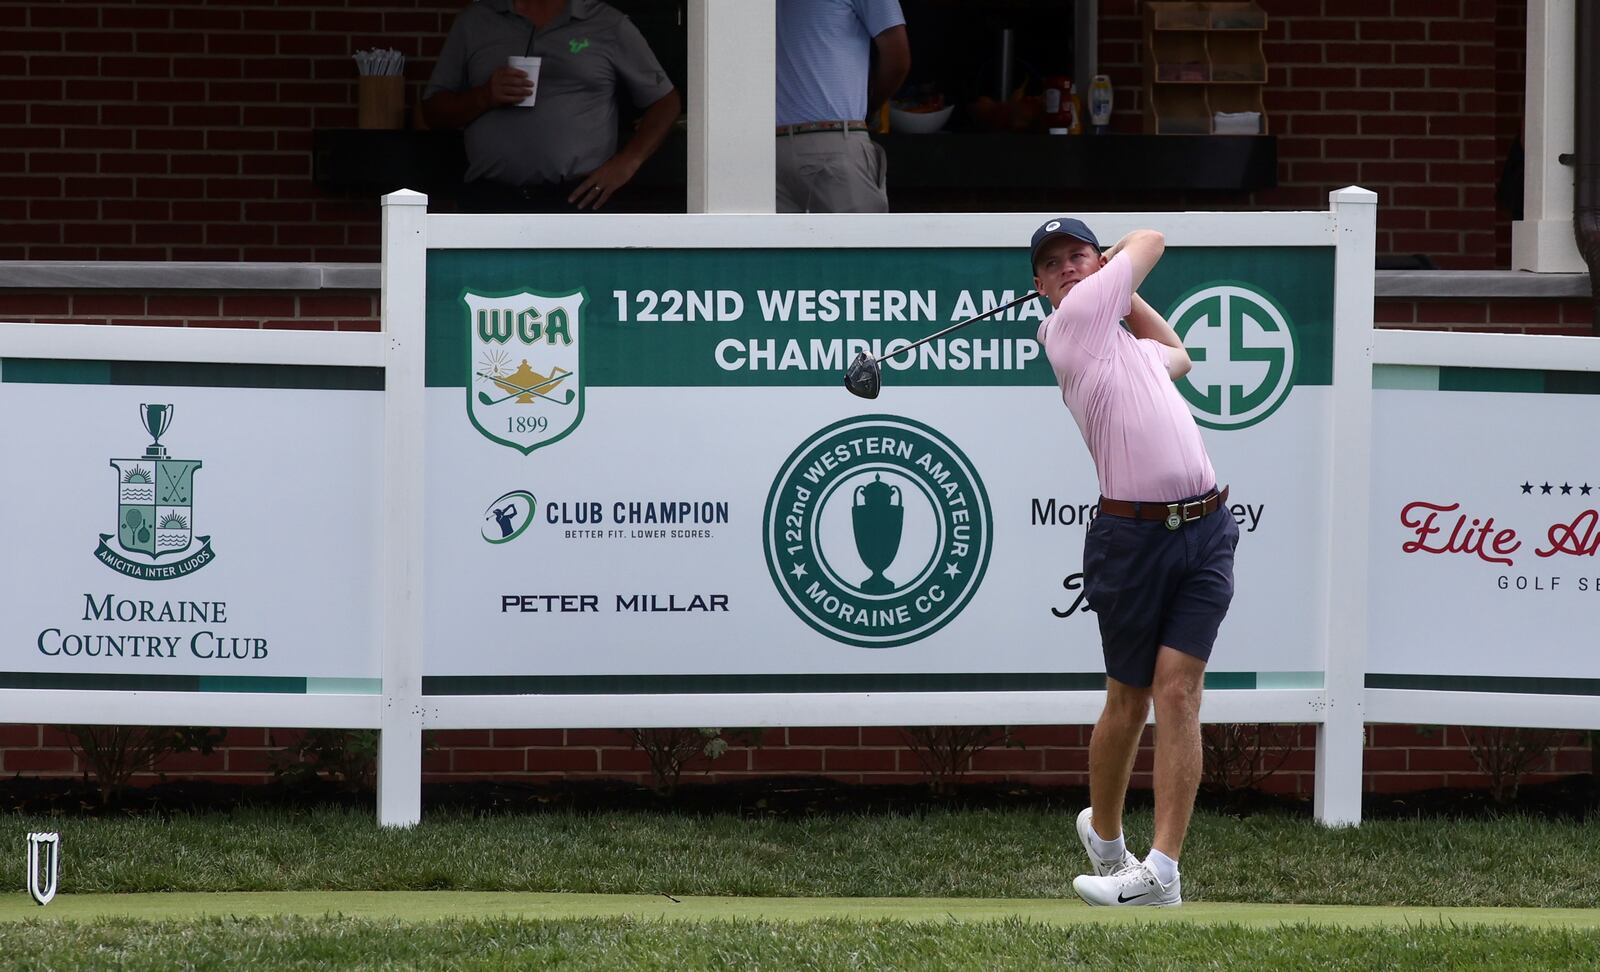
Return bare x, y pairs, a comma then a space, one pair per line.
1459, 284
173, 275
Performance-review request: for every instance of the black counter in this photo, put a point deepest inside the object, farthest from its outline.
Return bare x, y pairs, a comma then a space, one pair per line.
942, 171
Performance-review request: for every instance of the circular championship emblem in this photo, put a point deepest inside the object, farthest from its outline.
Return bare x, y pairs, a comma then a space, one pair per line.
877, 531
1242, 346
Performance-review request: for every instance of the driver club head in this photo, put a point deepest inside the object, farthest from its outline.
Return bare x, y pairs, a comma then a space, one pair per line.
864, 377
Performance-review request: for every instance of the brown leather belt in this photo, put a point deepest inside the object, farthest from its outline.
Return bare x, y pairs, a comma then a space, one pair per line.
822, 126
1175, 514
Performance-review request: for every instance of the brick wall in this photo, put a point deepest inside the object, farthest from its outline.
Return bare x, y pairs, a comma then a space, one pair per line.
1526, 316
182, 131
273, 310
1398, 758
1417, 100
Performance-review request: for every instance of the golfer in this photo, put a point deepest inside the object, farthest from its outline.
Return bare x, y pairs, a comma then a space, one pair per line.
1158, 558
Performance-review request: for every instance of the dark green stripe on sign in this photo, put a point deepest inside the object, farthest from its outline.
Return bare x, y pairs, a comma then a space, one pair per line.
1487, 683
45, 371
105, 682
735, 684
1519, 380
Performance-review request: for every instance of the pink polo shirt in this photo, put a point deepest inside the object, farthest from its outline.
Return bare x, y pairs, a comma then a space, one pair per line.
1145, 444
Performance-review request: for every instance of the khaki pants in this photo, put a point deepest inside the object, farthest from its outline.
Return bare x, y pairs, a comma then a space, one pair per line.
831, 172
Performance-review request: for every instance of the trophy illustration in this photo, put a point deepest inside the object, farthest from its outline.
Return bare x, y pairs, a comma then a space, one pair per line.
156, 418
877, 515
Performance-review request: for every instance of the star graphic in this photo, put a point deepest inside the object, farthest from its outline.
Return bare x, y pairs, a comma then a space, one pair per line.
951, 570
1527, 488
1545, 489
1566, 489
1584, 489
799, 571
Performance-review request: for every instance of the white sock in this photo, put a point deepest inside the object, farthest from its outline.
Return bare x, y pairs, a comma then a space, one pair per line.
1106, 850
1165, 867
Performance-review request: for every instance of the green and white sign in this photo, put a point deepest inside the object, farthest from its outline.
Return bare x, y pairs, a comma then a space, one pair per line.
725, 508
190, 528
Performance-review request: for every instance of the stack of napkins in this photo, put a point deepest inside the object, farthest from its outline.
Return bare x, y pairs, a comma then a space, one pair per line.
1236, 123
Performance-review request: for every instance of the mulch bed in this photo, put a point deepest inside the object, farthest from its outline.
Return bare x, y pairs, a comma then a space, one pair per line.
1570, 798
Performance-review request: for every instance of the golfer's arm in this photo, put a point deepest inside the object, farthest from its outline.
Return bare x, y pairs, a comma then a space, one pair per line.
1145, 322
1143, 248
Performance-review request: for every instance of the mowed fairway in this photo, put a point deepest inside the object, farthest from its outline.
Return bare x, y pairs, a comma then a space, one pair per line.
429, 906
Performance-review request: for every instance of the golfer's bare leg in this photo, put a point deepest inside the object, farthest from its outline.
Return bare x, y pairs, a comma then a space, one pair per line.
1112, 748
1178, 683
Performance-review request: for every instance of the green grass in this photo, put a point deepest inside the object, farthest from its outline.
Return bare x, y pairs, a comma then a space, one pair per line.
1029, 854
619, 944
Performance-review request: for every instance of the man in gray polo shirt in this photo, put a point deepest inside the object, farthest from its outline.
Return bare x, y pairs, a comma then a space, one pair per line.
562, 152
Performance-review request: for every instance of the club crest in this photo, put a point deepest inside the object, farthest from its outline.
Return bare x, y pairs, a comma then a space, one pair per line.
155, 510
525, 385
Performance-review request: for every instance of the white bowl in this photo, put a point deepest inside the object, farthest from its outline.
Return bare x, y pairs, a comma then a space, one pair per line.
918, 122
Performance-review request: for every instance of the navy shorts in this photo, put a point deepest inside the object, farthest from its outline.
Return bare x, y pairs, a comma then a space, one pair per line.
1151, 586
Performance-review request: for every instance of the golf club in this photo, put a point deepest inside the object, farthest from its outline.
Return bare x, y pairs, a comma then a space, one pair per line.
864, 377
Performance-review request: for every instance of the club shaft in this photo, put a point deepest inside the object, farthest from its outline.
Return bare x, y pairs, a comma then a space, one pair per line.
1031, 295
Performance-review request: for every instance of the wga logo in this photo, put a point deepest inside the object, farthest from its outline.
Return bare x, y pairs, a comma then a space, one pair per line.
1242, 346
524, 382
877, 531
155, 510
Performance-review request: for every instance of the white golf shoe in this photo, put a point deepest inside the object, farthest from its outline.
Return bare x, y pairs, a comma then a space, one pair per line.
1102, 867
1134, 884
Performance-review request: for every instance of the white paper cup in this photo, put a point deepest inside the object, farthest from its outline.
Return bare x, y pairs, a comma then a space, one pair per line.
530, 67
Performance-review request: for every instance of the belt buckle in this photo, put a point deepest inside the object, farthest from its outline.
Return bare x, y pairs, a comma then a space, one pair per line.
1180, 513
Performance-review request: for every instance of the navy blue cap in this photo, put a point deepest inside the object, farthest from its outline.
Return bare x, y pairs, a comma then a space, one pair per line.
1061, 226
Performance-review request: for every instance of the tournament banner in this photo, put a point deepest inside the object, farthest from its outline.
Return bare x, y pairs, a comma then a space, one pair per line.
182, 527
643, 472
1485, 530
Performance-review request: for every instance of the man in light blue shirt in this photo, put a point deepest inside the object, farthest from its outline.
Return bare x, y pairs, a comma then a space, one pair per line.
826, 161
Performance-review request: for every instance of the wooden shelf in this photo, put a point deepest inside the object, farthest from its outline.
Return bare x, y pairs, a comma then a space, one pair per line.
1202, 60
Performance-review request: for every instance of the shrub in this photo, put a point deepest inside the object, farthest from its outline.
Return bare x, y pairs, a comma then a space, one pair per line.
946, 752
347, 758
1237, 756
1506, 755
670, 750
113, 754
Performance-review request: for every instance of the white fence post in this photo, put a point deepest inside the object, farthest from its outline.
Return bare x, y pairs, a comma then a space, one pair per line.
405, 265
731, 106
1341, 735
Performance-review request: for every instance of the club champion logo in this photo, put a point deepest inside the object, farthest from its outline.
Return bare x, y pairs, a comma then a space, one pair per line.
877, 531
155, 509
509, 516
1243, 348
524, 381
